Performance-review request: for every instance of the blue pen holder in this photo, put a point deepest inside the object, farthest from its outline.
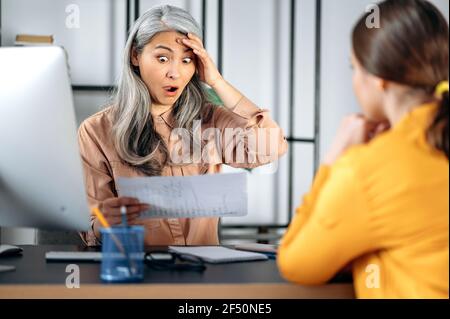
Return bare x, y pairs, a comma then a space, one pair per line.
122, 254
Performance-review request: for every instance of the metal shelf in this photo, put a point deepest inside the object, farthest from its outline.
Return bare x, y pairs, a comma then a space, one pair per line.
93, 88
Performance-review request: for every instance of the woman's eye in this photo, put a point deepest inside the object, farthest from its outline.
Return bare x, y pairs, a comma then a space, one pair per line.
187, 60
163, 59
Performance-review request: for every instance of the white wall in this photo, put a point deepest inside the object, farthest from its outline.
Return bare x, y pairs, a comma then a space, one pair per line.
253, 46
256, 59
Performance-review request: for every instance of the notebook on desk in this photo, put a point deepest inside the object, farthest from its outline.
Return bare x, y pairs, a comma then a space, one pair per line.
218, 254
268, 250
260, 248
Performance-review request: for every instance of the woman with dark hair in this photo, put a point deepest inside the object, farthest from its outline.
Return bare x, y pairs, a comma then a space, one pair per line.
162, 91
379, 202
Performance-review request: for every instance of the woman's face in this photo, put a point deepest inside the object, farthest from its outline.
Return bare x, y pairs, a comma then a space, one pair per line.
166, 67
368, 91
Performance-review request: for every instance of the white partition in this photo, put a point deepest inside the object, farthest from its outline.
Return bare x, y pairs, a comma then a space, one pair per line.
253, 46
304, 69
89, 102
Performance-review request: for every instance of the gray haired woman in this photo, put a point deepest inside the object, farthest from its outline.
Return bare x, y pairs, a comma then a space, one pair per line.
162, 89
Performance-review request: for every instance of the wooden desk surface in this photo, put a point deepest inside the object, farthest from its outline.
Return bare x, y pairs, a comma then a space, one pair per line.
36, 278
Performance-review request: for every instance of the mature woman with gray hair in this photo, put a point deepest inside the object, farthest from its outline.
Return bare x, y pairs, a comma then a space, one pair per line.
161, 90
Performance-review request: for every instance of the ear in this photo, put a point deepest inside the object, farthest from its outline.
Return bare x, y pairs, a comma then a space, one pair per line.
381, 84
134, 57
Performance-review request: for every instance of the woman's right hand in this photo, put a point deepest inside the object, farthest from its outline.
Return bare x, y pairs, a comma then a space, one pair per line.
355, 129
110, 208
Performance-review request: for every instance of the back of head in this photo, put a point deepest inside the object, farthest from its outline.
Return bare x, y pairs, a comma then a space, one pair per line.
410, 47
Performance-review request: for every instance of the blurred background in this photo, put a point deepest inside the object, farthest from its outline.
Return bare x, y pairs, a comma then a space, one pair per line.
289, 56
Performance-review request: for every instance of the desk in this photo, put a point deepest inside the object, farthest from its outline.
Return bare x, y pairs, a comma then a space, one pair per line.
37, 278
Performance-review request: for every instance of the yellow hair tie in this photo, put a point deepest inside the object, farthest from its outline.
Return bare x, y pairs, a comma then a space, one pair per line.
441, 88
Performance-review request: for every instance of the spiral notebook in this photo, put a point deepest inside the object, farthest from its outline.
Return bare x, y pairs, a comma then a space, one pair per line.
218, 254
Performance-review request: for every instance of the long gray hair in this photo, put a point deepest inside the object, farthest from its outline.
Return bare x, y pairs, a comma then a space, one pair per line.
135, 139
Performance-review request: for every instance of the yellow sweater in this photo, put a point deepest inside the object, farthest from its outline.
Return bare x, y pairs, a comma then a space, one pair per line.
383, 206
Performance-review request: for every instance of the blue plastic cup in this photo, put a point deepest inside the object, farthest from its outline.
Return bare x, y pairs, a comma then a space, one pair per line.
122, 254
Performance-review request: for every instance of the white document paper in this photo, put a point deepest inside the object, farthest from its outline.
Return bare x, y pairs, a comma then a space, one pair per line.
218, 254
222, 195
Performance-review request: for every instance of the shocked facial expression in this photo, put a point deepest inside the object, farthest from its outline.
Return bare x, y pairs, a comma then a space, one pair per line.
166, 66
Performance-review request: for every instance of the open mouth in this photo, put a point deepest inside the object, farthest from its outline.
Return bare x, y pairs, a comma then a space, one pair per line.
171, 89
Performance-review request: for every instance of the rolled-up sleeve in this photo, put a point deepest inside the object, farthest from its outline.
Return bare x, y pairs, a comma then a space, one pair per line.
249, 136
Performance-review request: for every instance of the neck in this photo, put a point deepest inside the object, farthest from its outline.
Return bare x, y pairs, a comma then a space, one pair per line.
397, 105
158, 109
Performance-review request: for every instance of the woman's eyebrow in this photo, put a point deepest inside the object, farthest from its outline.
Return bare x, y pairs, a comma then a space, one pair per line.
163, 47
169, 49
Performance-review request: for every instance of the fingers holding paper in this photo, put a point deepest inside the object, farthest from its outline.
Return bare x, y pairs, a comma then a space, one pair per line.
111, 209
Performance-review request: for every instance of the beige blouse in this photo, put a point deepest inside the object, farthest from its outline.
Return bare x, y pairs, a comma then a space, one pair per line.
102, 165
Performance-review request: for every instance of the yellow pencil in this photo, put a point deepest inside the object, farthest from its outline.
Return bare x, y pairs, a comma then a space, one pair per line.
105, 224
101, 218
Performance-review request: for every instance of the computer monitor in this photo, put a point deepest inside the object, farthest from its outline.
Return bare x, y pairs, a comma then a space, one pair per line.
41, 178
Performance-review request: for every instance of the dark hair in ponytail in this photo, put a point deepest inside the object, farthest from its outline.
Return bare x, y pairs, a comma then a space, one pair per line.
410, 48
437, 133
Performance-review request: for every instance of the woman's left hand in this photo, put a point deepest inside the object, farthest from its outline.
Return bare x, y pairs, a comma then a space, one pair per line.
207, 70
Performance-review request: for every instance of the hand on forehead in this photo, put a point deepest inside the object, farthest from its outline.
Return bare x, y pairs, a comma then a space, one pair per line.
170, 40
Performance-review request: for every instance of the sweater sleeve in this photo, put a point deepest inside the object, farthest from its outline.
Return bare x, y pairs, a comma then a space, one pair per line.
249, 135
331, 228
